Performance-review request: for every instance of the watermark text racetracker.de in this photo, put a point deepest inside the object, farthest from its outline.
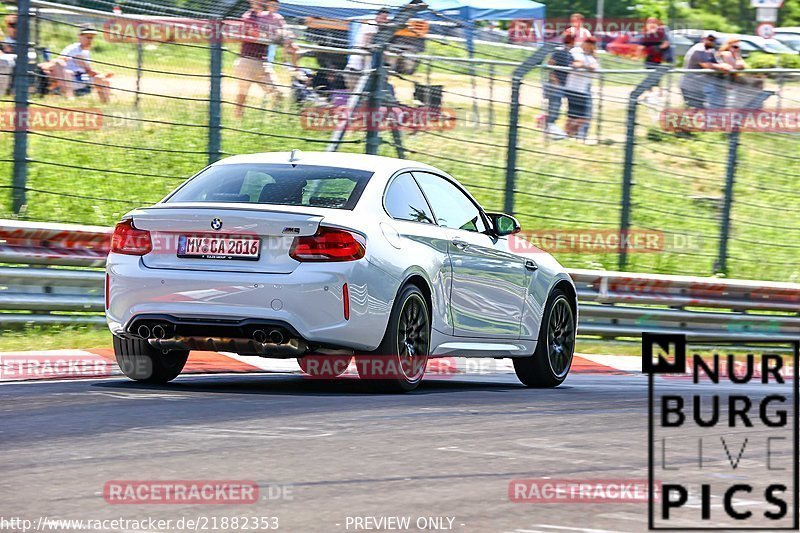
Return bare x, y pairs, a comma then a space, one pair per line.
552, 29
176, 30
549, 490
403, 118
29, 366
192, 492
589, 240
18, 524
64, 119
785, 120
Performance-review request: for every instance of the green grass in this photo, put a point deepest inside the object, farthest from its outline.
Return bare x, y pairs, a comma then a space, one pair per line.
54, 338
678, 183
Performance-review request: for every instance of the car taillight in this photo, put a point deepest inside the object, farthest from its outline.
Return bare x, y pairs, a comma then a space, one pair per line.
129, 240
328, 244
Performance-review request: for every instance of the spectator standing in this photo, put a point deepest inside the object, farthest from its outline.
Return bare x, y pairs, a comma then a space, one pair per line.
742, 91
8, 53
731, 54
578, 31
703, 90
578, 87
554, 88
656, 43
74, 72
357, 63
262, 29
250, 67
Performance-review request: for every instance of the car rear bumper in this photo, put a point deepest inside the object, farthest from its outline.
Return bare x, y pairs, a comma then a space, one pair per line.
309, 301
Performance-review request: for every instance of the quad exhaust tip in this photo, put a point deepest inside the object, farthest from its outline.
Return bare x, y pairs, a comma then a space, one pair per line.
274, 336
143, 331
159, 332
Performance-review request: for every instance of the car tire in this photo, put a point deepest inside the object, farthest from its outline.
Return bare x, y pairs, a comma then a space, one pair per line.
398, 364
139, 361
324, 366
550, 363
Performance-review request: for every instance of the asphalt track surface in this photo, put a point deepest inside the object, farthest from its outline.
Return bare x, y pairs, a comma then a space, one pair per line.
448, 449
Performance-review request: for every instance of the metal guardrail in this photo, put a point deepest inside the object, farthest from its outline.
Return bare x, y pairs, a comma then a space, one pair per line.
619, 304
612, 304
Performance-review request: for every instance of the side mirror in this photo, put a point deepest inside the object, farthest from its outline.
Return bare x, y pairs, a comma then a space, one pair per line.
504, 224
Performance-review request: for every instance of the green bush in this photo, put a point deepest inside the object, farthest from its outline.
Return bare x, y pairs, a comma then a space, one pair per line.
762, 60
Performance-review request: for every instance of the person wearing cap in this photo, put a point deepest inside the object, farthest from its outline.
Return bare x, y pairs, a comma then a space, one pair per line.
703, 90
357, 63
8, 53
73, 69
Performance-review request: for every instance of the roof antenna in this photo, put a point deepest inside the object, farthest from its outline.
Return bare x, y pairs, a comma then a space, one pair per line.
295, 155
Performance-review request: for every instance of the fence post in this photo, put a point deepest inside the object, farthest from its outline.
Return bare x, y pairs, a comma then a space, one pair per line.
721, 266
652, 79
536, 59
21, 93
376, 88
215, 102
730, 180
601, 92
378, 80
139, 66
491, 97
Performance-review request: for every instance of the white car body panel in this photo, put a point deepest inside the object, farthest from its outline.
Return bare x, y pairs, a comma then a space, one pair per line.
485, 302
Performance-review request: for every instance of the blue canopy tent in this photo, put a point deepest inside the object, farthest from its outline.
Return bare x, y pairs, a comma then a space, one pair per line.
337, 9
464, 11
469, 11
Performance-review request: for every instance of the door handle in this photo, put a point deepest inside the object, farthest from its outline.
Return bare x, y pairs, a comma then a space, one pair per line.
458, 243
531, 265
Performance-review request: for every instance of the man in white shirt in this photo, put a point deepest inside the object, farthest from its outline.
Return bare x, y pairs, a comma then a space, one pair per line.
73, 69
8, 54
578, 87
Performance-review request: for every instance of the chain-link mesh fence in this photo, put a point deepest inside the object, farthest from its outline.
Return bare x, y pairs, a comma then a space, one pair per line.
713, 200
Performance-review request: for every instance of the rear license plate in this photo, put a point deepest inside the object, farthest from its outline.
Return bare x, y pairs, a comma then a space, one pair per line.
219, 247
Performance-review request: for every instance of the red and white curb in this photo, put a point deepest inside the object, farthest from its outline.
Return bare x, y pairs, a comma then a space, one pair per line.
100, 363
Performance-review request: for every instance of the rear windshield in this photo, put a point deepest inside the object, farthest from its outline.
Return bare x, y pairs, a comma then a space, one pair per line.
310, 186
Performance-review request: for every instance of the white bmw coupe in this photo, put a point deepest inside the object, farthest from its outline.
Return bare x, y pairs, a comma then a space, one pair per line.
326, 256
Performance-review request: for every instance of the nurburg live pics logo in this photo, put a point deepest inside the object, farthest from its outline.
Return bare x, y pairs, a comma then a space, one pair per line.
725, 453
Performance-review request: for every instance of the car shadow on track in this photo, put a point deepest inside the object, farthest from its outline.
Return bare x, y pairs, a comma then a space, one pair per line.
289, 384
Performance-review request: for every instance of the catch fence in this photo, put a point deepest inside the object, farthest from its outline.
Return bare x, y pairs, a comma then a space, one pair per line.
706, 202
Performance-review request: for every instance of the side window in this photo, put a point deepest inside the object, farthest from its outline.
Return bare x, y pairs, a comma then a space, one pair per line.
404, 201
453, 209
